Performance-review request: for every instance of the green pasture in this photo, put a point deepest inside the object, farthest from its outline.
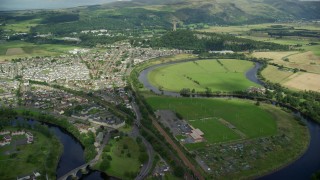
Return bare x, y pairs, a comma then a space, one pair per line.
30, 49
248, 118
22, 26
121, 163
214, 131
227, 76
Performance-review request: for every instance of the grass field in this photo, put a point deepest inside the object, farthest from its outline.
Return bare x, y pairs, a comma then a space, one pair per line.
25, 159
22, 26
121, 163
273, 74
214, 131
248, 118
294, 59
304, 81
264, 126
14, 51
298, 81
227, 76
20, 49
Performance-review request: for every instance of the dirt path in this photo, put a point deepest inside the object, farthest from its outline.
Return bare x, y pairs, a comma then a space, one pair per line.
233, 128
178, 150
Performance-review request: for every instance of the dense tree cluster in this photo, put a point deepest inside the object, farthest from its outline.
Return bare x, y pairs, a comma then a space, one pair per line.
200, 42
117, 19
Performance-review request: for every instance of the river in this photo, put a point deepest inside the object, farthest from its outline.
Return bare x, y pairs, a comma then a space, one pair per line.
9, 5
302, 168
73, 154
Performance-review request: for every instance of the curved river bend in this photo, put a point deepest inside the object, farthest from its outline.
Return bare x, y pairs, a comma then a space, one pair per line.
251, 75
302, 168
73, 153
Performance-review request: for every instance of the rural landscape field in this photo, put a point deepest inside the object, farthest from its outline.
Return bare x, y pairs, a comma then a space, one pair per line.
224, 75
160, 89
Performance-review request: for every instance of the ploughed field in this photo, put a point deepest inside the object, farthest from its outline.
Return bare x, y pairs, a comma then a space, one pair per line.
217, 75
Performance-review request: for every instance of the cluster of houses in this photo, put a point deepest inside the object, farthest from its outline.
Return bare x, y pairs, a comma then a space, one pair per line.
260, 90
43, 97
161, 169
76, 71
8, 93
143, 54
34, 175
7, 136
100, 116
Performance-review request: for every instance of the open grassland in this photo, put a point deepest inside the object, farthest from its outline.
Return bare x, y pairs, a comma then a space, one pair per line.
223, 75
124, 159
244, 29
22, 26
314, 49
20, 49
298, 81
244, 32
285, 153
273, 74
214, 131
275, 56
293, 59
304, 81
14, 51
250, 119
41, 156
235, 29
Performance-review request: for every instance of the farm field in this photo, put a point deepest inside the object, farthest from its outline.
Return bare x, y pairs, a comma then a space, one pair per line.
301, 60
304, 81
273, 74
242, 114
221, 75
21, 49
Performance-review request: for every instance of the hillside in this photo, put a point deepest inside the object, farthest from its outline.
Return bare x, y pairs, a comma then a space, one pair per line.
237, 12
159, 14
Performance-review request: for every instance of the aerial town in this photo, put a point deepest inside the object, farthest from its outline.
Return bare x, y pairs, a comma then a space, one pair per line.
159, 89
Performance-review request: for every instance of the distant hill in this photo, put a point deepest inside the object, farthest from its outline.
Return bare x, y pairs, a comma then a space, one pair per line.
159, 14
237, 11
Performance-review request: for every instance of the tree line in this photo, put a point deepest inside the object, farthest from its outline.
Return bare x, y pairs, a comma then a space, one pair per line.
203, 42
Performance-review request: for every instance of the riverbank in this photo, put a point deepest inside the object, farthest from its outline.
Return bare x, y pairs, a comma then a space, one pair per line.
284, 162
261, 149
225, 75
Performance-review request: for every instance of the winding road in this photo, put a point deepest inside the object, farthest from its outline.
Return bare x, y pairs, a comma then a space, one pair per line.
135, 133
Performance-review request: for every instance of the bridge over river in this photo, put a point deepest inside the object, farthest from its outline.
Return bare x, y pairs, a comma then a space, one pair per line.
84, 167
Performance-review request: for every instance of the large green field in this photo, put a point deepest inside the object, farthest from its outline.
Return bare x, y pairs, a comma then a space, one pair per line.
21, 49
222, 75
124, 161
251, 120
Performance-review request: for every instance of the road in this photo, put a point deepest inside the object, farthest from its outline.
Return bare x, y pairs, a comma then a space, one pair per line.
135, 133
